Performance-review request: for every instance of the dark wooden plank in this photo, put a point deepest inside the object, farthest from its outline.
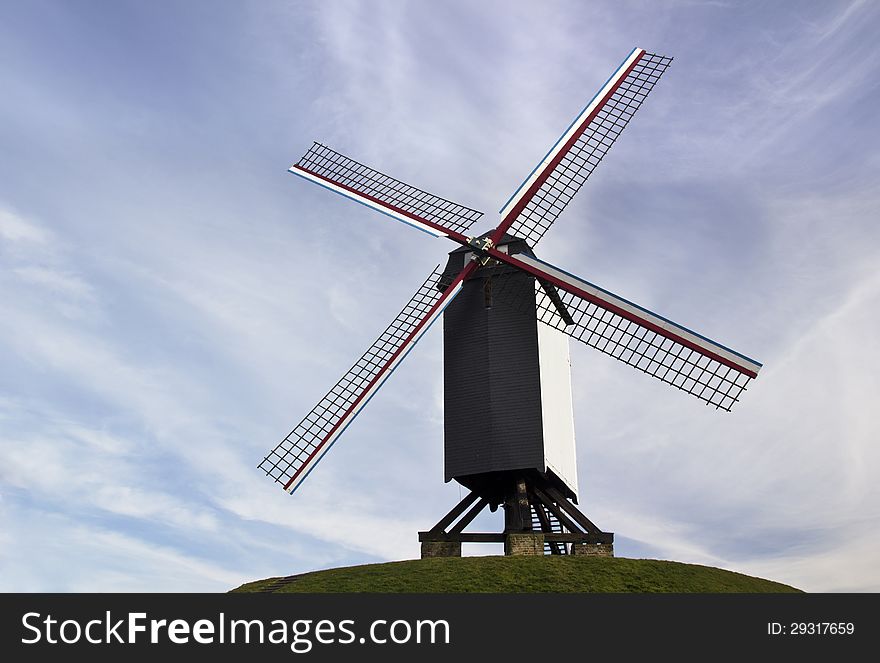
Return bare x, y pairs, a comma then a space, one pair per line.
456, 511
469, 516
463, 537
555, 548
555, 510
572, 510
498, 537
584, 537
515, 517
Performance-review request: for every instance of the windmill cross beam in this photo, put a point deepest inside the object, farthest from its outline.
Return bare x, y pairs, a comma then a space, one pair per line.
508, 317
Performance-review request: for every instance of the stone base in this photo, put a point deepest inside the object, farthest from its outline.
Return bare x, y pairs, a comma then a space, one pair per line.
593, 549
525, 543
441, 549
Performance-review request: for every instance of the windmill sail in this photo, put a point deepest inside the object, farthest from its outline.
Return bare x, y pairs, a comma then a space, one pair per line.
294, 457
533, 208
632, 334
429, 213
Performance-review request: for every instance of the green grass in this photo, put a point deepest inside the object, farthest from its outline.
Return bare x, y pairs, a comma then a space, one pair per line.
521, 574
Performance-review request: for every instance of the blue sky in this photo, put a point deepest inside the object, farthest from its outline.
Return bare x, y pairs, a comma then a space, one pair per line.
173, 301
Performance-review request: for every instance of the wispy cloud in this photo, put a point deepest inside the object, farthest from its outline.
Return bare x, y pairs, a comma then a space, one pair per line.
13, 228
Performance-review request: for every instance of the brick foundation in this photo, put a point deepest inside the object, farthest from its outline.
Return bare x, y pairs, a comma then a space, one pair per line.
593, 549
441, 549
525, 543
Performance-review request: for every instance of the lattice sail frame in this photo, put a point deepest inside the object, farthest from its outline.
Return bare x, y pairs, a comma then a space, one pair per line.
290, 462
390, 196
591, 135
718, 382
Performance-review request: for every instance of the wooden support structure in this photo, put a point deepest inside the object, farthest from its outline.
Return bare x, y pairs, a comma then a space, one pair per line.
572, 510
556, 548
519, 495
456, 511
469, 516
556, 510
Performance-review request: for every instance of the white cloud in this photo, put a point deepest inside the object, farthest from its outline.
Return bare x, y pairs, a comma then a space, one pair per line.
14, 228
60, 282
55, 553
847, 563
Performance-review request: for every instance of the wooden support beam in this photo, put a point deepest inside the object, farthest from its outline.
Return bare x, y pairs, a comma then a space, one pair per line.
522, 496
572, 511
523, 506
517, 512
585, 537
469, 516
555, 547
498, 537
456, 511
555, 510
463, 537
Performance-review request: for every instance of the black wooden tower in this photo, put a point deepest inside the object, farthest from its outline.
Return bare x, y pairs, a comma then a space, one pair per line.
511, 441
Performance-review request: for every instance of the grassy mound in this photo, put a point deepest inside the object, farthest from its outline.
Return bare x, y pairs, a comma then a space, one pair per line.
520, 574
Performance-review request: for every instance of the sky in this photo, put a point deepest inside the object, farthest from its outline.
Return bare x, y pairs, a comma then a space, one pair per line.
172, 301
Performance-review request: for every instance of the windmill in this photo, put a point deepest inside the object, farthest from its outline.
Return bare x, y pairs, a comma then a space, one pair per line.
508, 428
